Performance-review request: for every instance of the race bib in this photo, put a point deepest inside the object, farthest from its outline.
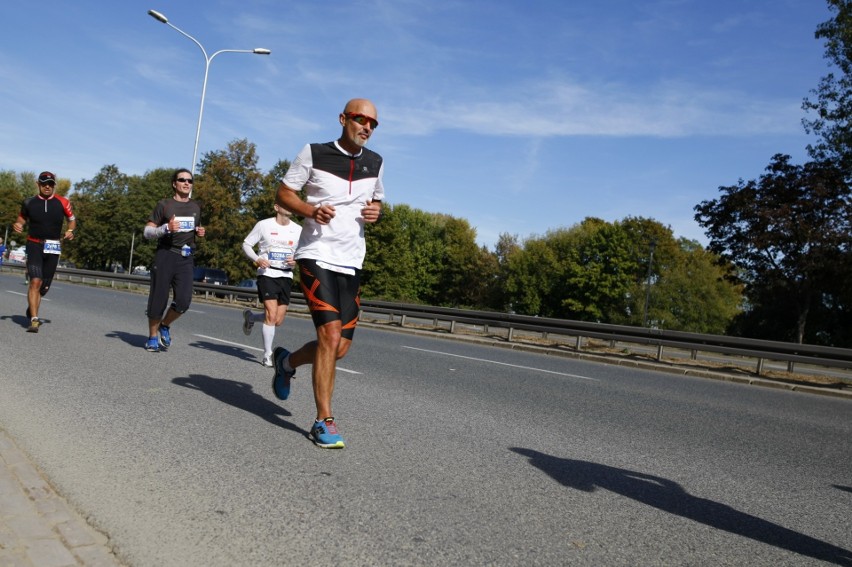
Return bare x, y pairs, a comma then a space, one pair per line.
185, 224
278, 257
52, 247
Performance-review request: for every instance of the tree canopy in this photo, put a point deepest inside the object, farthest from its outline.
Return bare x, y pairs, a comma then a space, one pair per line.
789, 233
833, 103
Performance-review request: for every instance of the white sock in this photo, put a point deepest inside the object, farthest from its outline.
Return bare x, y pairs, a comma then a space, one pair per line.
268, 338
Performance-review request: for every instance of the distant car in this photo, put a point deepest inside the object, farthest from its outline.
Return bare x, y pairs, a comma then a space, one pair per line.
18, 255
141, 271
248, 283
67, 264
213, 276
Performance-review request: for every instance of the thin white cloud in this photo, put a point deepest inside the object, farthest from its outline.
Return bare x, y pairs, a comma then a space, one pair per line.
562, 108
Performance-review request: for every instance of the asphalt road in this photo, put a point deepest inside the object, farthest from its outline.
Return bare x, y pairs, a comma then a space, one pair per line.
456, 454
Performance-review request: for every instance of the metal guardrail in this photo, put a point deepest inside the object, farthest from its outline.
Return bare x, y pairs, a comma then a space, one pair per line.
761, 351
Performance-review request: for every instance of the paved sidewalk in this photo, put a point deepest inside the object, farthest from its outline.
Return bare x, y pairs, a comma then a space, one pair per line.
38, 528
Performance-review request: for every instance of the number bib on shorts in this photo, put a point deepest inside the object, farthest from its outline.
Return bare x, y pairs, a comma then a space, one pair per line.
52, 247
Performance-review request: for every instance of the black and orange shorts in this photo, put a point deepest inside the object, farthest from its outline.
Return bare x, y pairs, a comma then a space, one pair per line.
331, 296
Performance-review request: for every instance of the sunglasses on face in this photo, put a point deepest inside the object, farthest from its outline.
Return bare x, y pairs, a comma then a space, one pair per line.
184, 180
363, 119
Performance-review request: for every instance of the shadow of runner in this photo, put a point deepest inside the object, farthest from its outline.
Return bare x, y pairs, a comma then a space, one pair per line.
22, 320
230, 350
132, 339
670, 497
241, 396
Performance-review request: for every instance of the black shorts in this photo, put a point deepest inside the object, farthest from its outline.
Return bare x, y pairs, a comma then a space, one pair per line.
41, 266
331, 296
274, 288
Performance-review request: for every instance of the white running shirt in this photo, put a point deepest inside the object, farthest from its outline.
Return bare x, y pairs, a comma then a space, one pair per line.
276, 242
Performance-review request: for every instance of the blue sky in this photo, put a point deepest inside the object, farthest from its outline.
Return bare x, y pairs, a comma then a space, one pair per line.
519, 116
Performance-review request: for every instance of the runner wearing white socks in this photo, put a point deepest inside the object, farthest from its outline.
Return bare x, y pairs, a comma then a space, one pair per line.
276, 238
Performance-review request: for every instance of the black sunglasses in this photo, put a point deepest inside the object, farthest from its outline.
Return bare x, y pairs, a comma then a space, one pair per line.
184, 180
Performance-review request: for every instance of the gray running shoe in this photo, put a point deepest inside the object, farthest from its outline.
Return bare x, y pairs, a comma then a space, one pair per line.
248, 323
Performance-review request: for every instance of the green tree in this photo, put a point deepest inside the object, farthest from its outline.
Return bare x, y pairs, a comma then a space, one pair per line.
258, 204
227, 180
105, 222
600, 272
529, 277
12, 193
404, 256
499, 299
694, 292
833, 102
786, 232
466, 271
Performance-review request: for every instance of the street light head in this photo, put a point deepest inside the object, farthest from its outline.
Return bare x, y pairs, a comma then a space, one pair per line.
261, 51
158, 16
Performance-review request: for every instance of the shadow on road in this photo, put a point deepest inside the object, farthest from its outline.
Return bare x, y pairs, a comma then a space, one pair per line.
132, 339
230, 350
670, 497
241, 396
22, 320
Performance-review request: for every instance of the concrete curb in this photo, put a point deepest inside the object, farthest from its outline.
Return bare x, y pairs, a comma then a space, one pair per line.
38, 528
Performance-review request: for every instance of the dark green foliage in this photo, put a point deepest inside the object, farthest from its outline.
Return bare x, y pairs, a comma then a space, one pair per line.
13, 189
789, 234
599, 271
832, 106
226, 182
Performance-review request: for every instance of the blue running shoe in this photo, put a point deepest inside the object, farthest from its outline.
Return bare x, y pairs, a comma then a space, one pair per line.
165, 337
324, 434
152, 345
281, 380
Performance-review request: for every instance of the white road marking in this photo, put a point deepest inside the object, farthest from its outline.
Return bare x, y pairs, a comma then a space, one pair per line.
228, 342
259, 349
503, 363
24, 294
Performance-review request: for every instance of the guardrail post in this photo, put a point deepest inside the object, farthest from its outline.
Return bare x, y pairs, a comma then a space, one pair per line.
693, 354
791, 366
452, 327
659, 353
760, 366
511, 334
402, 320
578, 344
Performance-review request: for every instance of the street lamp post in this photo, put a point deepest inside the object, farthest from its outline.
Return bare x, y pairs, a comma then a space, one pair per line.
207, 60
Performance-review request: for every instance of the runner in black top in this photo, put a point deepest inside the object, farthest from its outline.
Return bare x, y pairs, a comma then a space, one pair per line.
45, 213
175, 223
